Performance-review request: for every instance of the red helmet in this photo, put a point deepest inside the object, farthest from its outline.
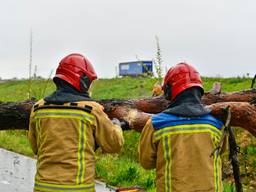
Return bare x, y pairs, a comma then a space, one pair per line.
73, 67
179, 78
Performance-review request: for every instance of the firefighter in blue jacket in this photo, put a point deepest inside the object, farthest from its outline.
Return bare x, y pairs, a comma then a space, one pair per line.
178, 142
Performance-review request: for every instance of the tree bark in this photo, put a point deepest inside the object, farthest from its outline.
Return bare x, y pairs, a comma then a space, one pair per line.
158, 104
243, 114
15, 115
241, 96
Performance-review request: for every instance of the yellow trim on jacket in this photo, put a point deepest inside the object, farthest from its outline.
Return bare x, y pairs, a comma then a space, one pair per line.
164, 150
64, 141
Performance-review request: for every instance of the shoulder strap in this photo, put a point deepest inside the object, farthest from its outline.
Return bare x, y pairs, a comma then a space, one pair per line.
46, 105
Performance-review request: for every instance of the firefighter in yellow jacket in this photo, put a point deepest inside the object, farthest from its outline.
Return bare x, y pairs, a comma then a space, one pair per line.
66, 128
179, 141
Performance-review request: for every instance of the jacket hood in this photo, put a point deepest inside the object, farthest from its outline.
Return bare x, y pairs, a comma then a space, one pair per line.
65, 93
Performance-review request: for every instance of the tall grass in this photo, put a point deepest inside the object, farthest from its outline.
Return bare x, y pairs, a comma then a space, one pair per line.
158, 61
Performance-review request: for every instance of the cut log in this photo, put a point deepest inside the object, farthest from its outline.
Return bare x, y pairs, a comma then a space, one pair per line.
158, 104
243, 114
241, 96
16, 115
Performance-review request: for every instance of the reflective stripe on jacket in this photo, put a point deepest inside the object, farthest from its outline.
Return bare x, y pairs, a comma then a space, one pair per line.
180, 149
64, 140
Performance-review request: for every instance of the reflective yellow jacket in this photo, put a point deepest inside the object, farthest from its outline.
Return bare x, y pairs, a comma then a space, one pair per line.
64, 139
180, 150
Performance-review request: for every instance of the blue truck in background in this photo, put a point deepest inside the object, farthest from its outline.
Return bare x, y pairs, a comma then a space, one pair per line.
135, 68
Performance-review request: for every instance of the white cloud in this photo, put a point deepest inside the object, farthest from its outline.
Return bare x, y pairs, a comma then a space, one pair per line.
217, 37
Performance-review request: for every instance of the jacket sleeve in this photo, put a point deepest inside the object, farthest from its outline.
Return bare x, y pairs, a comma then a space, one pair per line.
32, 133
108, 136
147, 147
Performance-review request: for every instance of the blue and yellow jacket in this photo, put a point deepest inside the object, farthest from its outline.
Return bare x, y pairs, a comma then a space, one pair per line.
180, 149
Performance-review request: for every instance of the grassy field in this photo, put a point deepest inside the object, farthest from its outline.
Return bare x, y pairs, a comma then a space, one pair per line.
123, 169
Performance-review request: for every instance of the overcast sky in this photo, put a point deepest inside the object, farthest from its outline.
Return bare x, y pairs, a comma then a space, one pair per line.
217, 37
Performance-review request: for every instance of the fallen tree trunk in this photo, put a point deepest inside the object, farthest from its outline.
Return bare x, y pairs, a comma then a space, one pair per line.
240, 96
16, 115
243, 114
158, 104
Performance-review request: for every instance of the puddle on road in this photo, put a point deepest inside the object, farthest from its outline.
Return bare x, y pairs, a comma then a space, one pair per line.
17, 173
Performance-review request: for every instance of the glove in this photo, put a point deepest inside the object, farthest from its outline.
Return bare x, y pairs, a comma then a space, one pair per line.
122, 123
116, 121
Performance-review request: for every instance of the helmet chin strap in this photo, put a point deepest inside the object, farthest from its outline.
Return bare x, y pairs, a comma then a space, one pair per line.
168, 92
85, 83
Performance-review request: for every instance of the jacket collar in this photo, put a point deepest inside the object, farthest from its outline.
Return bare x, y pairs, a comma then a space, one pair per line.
65, 93
188, 104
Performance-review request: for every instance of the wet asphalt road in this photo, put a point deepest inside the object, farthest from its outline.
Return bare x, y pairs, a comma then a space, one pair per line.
17, 173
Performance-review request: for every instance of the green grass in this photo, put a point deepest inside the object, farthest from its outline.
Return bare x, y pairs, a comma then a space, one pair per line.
118, 88
15, 141
228, 188
122, 88
128, 172
13, 90
228, 84
123, 169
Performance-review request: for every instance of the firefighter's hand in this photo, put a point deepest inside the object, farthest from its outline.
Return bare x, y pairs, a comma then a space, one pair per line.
116, 121
122, 123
